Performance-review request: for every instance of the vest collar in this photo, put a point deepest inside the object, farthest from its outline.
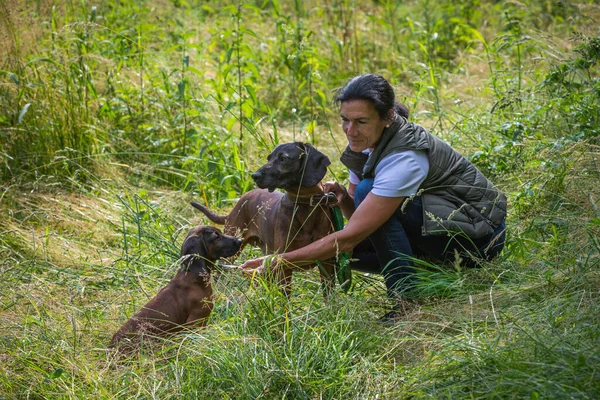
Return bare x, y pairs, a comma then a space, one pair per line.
382, 144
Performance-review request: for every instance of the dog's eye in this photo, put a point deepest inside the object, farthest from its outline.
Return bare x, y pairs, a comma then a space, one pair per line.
283, 158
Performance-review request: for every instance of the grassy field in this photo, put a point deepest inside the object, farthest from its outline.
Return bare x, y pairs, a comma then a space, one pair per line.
114, 115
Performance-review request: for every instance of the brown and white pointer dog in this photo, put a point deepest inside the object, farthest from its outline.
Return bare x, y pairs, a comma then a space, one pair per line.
279, 222
186, 301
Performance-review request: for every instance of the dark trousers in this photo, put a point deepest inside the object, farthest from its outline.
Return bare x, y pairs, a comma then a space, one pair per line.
391, 248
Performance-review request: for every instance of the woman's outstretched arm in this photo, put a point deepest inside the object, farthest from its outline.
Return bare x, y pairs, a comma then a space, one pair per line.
370, 215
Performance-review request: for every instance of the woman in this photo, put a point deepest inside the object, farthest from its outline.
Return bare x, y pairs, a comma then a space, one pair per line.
409, 194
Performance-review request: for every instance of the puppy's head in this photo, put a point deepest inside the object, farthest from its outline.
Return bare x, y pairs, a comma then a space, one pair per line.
291, 165
208, 243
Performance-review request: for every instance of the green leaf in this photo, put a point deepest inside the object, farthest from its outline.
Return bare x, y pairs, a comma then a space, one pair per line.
311, 126
534, 395
42, 59
230, 122
56, 373
251, 93
195, 71
229, 53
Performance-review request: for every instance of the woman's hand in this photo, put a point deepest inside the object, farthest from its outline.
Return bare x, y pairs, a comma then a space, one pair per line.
261, 265
255, 266
345, 197
340, 192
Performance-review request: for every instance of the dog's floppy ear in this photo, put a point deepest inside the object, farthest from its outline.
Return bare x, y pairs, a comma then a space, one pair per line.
192, 246
315, 166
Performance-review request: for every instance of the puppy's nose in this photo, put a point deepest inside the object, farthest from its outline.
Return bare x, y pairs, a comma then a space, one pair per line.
256, 175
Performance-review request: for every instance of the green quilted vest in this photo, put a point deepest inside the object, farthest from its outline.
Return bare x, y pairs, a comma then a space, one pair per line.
456, 196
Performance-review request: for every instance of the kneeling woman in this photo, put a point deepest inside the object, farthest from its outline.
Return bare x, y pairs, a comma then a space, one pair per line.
410, 194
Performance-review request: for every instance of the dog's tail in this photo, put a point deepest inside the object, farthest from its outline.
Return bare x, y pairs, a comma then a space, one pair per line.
217, 219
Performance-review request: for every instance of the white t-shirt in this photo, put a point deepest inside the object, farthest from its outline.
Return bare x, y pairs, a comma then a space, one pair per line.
398, 174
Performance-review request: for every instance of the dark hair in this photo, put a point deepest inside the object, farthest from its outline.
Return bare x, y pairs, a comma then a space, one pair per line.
377, 90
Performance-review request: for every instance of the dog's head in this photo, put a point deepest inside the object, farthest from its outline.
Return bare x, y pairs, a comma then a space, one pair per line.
208, 243
291, 165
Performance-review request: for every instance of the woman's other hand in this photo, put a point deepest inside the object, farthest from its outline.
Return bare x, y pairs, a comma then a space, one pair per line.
340, 191
345, 198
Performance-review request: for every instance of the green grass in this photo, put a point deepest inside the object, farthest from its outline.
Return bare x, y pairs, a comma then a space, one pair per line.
113, 116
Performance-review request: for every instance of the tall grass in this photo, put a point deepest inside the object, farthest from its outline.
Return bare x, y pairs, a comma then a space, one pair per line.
113, 116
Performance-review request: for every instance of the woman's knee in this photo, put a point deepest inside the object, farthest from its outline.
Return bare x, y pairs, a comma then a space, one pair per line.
362, 190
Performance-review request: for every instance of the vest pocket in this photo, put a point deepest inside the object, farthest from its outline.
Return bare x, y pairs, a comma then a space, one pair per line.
449, 215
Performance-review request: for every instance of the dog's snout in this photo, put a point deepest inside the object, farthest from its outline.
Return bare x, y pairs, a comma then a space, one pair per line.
233, 246
256, 175
235, 242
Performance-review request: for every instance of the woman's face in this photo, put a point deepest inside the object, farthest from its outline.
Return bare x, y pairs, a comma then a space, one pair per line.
362, 124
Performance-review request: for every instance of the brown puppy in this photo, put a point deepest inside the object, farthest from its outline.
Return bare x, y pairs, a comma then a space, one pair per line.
186, 300
279, 222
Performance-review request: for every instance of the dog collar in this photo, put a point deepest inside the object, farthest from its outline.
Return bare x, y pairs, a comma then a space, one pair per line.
323, 199
318, 199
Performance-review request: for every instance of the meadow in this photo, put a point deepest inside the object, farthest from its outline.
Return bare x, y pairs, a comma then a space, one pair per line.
114, 115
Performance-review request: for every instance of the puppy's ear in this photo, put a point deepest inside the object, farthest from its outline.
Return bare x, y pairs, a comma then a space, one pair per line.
191, 247
315, 166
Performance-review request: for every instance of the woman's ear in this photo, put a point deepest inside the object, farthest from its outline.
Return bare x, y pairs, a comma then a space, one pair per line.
391, 116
